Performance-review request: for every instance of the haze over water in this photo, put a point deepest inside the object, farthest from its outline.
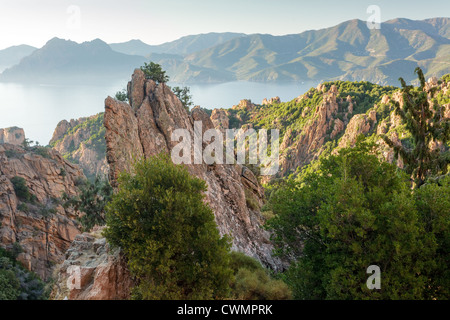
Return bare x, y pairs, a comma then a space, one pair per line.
38, 108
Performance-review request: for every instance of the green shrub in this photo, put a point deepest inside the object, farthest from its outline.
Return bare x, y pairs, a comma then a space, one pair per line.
23, 207
91, 202
9, 285
154, 71
47, 211
21, 189
62, 172
354, 211
250, 200
122, 95
12, 154
238, 260
168, 234
446, 78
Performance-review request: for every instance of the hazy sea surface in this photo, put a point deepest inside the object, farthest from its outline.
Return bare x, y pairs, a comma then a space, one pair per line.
39, 108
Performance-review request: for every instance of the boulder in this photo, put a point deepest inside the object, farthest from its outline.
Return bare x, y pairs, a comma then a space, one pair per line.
13, 135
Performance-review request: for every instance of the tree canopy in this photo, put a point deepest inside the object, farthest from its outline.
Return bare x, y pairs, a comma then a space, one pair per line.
17, 283
168, 234
184, 95
154, 71
430, 131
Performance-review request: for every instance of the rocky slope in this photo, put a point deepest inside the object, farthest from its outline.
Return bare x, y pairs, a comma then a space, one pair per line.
92, 271
32, 181
311, 124
13, 135
82, 141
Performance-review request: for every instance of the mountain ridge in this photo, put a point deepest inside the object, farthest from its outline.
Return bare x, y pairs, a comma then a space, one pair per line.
347, 51
62, 60
184, 45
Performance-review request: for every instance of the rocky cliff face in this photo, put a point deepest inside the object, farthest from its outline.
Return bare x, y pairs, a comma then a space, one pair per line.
144, 127
82, 142
32, 182
92, 271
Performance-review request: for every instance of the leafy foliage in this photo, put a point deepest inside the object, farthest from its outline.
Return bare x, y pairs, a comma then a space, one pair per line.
91, 202
9, 285
17, 283
42, 151
21, 189
253, 282
122, 95
355, 211
184, 96
433, 204
168, 234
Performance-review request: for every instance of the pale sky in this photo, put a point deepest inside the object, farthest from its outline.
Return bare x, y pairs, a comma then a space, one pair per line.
34, 22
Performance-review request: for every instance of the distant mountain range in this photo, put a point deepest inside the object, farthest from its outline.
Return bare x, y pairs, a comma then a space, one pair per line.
182, 46
348, 51
12, 55
62, 60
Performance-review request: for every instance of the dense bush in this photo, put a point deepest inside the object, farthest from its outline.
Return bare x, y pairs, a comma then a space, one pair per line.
354, 211
167, 233
252, 282
12, 153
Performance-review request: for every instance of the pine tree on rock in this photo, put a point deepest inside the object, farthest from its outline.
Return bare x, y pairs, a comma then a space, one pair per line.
427, 124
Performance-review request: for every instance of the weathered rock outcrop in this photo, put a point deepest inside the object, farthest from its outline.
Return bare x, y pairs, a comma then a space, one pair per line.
299, 149
82, 142
13, 135
244, 104
92, 271
35, 218
220, 119
144, 129
266, 102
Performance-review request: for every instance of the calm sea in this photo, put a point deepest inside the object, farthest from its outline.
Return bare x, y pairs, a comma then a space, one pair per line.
39, 108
